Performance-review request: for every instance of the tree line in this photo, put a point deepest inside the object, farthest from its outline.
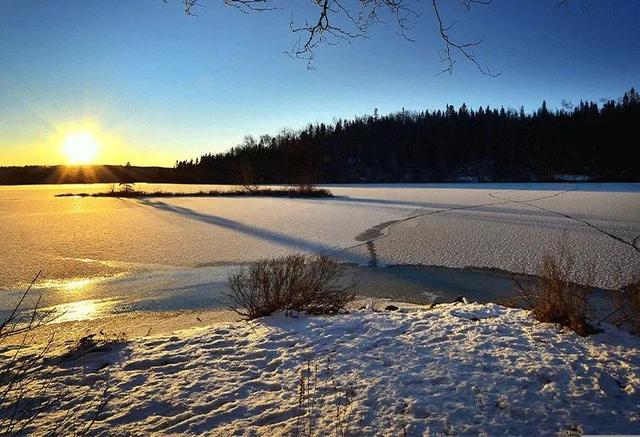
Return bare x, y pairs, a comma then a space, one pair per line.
84, 174
596, 142
582, 141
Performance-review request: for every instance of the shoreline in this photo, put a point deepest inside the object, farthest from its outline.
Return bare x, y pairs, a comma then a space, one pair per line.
143, 324
203, 288
131, 326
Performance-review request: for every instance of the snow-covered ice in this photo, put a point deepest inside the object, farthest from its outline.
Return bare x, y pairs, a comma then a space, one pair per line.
452, 369
510, 229
129, 250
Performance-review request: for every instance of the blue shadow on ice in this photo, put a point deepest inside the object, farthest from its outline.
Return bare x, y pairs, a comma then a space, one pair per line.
254, 231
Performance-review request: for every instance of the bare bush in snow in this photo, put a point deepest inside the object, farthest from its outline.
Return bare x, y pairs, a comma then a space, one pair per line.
555, 298
627, 306
294, 282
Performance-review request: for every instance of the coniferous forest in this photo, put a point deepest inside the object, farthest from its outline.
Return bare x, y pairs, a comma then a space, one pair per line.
586, 141
454, 144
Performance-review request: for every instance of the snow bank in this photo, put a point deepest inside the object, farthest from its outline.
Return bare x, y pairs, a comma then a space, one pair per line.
457, 368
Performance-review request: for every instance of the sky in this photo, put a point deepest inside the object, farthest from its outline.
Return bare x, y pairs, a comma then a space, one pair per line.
150, 85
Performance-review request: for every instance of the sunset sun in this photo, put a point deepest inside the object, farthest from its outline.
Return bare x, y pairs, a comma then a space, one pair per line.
80, 147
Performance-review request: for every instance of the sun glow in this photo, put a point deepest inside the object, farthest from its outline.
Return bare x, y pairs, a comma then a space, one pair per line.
80, 147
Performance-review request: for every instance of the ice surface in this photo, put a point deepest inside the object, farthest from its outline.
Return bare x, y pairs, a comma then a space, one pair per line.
80, 237
504, 226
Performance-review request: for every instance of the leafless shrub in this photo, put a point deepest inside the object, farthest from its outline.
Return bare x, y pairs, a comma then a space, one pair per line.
295, 282
127, 187
627, 306
246, 178
309, 190
554, 298
26, 387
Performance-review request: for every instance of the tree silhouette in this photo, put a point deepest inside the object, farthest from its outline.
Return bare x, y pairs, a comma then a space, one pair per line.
465, 144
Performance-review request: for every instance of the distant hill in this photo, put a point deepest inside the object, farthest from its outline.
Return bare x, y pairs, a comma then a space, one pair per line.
61, 174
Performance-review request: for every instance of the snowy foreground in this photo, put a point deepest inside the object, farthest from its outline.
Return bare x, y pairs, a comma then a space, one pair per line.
456, 368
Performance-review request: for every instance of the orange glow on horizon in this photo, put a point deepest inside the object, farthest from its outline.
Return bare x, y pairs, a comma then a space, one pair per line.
86, 142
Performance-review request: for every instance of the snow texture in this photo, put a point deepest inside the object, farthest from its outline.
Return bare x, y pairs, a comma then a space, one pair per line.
452, 369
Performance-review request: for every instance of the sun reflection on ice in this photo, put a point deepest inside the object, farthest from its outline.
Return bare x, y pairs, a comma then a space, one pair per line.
80, 309
77, 284
83, 310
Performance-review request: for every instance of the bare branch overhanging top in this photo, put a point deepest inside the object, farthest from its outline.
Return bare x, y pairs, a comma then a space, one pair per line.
344, 20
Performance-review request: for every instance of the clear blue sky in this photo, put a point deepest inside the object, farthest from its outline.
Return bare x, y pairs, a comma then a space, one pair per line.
156, 85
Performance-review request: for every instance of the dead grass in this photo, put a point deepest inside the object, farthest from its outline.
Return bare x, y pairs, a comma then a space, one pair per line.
323, 394
303, 191
310, 190
295, 282
554, 298
91, 343
627, 306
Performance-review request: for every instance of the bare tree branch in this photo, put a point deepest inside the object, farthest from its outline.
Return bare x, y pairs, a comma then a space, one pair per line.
345, 20
584, 4
27, 388
352, 23
463, 49
338, 21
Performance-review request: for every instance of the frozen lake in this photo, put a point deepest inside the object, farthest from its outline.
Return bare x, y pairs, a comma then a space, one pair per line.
102, 255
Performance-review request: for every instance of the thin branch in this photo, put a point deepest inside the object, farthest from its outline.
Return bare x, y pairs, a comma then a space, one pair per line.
464, 49
338, 21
